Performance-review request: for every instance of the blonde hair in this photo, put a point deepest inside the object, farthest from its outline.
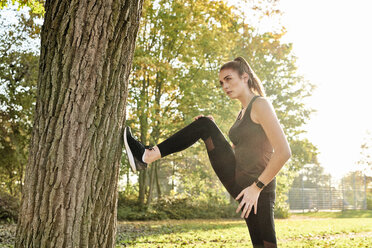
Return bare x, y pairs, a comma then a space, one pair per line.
240, 65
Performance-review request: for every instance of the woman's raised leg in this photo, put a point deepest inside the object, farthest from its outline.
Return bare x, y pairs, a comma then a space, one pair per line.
220, 153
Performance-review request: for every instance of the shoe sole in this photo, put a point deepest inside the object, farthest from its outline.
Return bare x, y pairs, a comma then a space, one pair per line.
129, 152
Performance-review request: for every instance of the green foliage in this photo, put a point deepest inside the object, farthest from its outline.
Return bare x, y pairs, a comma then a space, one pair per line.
36, 6
178, 53
18, 80
356, 189
369, 202
369, 199
365, 161
9, 206
313, 176
180, 46
175, 207
281, 209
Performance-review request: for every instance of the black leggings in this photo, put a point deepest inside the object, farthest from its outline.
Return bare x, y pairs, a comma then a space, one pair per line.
222, 158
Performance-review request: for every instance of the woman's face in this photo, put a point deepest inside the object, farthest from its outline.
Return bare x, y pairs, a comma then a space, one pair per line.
231, 83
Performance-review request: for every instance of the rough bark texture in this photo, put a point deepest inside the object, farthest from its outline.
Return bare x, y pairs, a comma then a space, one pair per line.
70, 190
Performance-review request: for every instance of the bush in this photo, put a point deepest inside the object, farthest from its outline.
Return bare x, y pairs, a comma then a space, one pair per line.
369, 200
177, 207
185, 207
9, 207
281, 210
281, 213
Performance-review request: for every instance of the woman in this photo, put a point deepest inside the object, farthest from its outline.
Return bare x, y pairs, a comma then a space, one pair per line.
248, 168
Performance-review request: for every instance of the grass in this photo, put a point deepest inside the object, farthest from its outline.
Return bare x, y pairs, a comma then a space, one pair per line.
339, 214
348, 229
321, 229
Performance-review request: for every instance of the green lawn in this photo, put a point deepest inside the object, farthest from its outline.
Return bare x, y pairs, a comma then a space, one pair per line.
298, 231
343, 229
339, 214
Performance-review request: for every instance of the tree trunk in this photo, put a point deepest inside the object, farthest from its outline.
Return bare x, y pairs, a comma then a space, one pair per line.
151, 184
142, 187
70, 192
157, 180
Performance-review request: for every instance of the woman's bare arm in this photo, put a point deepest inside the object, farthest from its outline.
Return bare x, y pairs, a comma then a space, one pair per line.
265, 115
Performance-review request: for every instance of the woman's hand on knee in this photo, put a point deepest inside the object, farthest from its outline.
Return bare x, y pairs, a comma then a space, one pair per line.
208, 116
197, 117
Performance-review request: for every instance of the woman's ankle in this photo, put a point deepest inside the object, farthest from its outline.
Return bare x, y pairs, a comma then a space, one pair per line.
152, 155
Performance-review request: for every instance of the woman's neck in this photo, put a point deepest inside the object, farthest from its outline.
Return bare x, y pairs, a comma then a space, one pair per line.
246, 99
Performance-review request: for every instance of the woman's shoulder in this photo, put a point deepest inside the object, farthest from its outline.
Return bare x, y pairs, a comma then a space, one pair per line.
261, 106
261, 102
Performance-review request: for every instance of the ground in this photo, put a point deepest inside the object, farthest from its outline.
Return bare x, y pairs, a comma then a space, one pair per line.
342, 229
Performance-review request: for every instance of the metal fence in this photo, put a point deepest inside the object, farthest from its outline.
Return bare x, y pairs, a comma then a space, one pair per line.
347, 193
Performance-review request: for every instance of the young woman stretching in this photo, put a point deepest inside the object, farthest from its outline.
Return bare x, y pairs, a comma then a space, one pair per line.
248, 168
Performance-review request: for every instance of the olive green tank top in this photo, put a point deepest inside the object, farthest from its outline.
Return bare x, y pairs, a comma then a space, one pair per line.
252, 149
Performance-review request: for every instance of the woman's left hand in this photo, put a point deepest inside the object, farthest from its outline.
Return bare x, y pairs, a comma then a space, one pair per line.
250, 199
210, 117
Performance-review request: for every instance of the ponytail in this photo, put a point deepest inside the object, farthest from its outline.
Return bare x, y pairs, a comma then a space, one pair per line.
241, 65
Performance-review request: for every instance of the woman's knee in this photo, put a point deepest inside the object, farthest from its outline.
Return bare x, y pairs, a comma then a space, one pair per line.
205, 120
207, 123
207, 127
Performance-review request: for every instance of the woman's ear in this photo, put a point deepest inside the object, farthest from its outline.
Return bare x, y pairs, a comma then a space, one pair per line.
245, 77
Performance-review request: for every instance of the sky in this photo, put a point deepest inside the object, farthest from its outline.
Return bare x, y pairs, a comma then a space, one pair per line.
333, 43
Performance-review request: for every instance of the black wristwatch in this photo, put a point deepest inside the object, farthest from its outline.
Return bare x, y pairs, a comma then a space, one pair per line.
259, 184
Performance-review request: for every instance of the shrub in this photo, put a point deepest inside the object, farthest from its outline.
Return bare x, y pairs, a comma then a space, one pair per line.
369, 200
9, 207
175, 207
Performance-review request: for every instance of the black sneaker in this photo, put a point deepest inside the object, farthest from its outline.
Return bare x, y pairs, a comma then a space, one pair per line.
135, 151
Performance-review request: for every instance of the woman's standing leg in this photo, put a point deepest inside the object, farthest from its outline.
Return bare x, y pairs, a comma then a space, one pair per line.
261, 225
220, 153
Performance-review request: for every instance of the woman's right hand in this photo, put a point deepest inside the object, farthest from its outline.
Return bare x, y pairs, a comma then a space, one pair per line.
197, 117
208, 116
233, 146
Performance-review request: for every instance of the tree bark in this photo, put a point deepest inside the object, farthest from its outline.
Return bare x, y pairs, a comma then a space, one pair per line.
151, 184
70, 191
157, 180
142, 187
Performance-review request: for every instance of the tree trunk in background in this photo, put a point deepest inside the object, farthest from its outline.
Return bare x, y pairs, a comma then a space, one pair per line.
70, 190
142, 187
157, 180
151, 184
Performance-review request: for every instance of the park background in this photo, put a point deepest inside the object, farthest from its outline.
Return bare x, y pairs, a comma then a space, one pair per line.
312, 61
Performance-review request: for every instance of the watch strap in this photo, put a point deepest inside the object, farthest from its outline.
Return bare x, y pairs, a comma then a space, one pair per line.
259, 184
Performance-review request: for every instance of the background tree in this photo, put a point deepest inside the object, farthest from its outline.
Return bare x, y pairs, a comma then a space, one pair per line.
356, 192
36, 7
312, 176
18, 75
174, 71
177, 58
365, 161
179, 50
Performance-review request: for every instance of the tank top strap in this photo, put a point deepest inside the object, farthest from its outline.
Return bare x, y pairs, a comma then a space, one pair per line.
250, 103
247, 110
